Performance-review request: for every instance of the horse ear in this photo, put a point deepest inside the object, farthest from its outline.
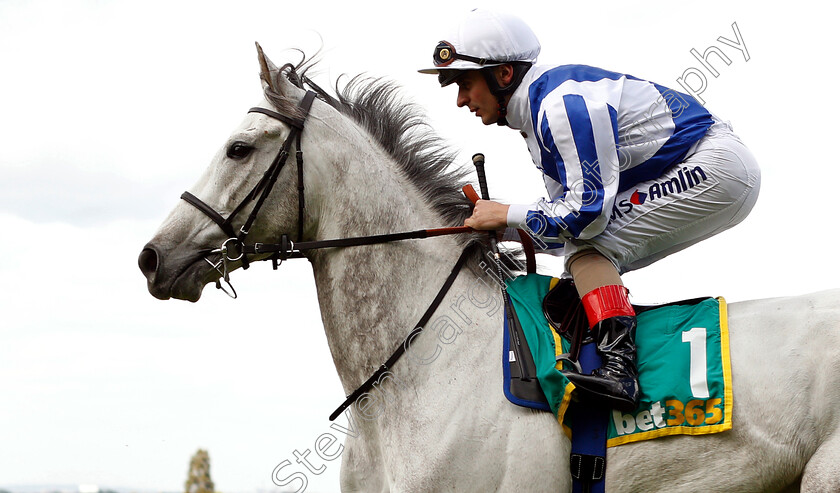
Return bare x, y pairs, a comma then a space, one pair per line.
267, 71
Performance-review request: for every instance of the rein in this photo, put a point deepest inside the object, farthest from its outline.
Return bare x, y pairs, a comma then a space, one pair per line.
235, 249
404, 346
288, 249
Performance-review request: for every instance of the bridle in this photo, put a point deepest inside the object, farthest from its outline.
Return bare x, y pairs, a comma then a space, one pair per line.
235, 249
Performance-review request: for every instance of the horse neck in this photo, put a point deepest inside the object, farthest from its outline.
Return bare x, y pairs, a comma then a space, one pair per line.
371, 296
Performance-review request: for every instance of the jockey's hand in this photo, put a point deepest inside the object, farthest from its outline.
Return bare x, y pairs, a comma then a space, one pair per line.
488, 216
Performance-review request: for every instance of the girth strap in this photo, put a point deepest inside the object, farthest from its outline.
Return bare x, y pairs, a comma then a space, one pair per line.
370, 382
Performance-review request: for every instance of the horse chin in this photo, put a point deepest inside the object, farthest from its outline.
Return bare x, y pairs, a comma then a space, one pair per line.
190, 283
187, 283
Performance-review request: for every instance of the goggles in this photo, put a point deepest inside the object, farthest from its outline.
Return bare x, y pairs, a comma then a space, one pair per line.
445, 54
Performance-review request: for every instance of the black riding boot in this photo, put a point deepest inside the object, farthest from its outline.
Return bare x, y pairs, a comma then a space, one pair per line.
616, 382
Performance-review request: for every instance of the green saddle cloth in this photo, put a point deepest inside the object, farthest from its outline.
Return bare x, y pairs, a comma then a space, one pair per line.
682, 356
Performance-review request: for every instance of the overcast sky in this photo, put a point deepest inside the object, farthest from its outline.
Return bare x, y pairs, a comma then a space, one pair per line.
109, 110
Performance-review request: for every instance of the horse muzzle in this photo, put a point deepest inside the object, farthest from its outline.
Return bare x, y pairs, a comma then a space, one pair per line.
174, 276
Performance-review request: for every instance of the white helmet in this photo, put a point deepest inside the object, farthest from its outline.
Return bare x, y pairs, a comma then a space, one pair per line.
484, 39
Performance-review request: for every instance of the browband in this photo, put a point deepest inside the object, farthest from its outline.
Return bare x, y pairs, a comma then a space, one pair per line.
294, 122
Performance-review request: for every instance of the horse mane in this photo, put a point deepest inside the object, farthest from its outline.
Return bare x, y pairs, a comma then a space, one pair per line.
399, 127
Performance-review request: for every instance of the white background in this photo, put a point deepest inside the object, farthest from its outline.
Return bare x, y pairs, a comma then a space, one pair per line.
109, 110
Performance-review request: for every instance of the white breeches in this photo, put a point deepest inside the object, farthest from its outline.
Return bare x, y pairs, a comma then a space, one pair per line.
713, 189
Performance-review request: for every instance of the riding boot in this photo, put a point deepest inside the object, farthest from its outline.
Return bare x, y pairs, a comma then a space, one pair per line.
613, 325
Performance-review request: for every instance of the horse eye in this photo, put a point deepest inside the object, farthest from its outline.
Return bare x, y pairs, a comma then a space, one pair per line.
239, 150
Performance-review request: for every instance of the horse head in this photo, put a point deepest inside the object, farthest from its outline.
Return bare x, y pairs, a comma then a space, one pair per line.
370, 167
184, 255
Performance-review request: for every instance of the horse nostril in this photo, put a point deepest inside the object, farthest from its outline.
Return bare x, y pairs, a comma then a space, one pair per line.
148, 262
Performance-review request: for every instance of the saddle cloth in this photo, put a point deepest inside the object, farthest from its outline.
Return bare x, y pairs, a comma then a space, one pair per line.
682, 358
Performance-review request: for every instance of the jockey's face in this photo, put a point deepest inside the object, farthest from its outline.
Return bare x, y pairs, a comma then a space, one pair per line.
474, 94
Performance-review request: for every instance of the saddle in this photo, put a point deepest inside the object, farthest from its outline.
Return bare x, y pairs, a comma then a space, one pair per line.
565, 314
545, 319
563, 310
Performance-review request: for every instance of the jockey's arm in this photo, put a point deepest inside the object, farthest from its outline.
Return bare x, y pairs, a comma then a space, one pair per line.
580, 161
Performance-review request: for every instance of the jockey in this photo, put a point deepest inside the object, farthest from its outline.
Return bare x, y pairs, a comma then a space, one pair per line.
634, 172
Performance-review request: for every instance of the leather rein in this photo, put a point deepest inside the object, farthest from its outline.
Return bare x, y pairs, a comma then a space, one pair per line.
235, 249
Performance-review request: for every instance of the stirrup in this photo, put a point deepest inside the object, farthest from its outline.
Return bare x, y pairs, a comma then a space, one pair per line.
567, 358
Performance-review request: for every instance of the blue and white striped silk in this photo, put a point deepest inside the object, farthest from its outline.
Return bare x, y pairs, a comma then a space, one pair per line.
593, 134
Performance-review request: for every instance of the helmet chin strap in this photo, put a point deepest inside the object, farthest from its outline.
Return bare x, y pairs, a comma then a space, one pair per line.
502, 121
501, 93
